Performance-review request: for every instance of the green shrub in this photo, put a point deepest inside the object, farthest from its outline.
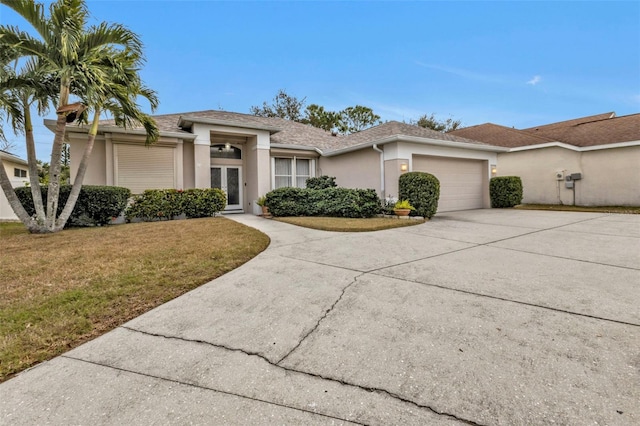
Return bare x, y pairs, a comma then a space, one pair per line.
167, 204
321, 182
334, 202
155, 204
422, 190
505, 191
203, 202
96, 205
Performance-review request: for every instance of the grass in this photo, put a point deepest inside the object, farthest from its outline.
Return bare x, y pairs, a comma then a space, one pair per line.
60, 290
341, 224
595, 209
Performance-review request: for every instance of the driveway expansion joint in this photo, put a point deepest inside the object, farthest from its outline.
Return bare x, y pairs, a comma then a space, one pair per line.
206, 388
504, 299
382, 391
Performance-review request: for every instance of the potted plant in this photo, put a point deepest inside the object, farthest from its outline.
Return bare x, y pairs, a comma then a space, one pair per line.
261, 202
403, 208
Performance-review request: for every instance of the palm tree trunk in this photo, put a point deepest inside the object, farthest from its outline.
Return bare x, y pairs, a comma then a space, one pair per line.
82, 169
54, 173
34, 181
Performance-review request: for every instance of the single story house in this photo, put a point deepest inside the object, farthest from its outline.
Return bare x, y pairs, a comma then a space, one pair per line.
18, 171
602, 150
248, 156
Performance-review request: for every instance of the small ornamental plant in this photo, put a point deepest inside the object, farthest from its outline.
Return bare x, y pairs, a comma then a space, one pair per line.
261, 201
403, 208
404, 205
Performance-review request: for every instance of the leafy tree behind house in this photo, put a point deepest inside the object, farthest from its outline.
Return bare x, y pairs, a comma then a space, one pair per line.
349, 120
90, 69
429, 121
283, 106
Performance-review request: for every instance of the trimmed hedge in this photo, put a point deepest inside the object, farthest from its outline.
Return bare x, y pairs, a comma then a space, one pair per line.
422, 190
333, 202
505, 191
167, 204
321, 182
96, 205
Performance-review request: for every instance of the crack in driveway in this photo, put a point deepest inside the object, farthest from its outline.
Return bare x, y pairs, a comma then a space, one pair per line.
196, 385
382, 391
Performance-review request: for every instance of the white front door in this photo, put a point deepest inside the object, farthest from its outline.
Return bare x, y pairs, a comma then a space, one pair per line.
229, 179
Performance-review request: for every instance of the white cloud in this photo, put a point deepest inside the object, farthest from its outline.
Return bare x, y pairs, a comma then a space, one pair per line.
535, 80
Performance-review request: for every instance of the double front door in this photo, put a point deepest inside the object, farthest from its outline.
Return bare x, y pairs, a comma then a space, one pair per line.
229, 179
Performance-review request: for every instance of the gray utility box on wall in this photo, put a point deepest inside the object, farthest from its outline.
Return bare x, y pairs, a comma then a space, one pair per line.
570, 178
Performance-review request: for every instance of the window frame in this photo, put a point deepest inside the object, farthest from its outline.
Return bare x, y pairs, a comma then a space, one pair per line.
294, 176
19, 173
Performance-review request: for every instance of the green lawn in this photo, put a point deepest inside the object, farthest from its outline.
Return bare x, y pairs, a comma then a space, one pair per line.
341, 224
60, 290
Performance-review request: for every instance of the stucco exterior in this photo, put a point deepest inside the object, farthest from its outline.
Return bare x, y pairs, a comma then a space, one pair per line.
358, 169
10, 163
610, 175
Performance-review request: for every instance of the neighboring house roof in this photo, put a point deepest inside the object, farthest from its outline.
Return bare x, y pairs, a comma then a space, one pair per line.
595, 130
598, 132
500, 135
5, 155
547, 127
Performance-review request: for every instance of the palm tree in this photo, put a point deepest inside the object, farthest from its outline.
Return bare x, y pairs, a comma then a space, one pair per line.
21, 90
98, 65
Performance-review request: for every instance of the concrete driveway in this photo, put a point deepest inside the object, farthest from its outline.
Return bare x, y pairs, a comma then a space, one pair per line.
478, 317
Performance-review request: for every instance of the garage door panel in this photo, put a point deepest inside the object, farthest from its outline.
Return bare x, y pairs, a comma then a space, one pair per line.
140, 167
461, 181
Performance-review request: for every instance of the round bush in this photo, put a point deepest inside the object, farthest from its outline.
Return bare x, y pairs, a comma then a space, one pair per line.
505, 191
422, 190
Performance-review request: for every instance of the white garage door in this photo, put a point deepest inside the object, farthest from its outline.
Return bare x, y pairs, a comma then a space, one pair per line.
139, 167
462, 183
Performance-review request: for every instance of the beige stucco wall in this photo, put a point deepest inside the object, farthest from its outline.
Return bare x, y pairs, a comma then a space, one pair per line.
6, 212
609, 176
392, 174
257, 164
358, 169
537, 168
188, 165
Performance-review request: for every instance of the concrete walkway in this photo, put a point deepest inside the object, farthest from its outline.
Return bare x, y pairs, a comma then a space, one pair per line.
479, 317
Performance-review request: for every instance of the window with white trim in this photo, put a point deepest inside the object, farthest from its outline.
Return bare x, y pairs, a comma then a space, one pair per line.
22, 173
292, 172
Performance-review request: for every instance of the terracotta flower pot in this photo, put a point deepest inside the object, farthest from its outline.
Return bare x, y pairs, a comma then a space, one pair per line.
402, 212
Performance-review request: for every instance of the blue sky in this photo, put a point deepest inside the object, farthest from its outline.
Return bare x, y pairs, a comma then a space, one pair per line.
512, 63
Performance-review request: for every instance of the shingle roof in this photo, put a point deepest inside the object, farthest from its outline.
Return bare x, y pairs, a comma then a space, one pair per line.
542, 129
500, 135
596, 132
601, 129
396, 128
298, 134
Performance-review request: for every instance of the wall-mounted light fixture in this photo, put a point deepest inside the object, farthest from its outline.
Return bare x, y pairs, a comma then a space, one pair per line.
494, 170
404, 167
